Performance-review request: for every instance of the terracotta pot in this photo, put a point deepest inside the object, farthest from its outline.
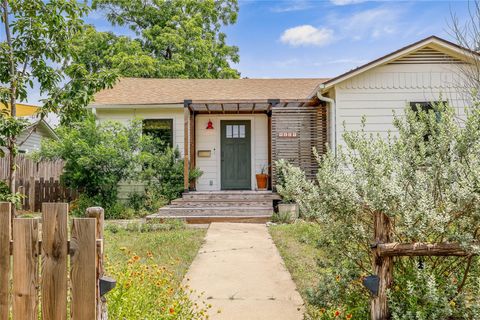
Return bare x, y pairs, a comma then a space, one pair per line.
262, 181
288, 209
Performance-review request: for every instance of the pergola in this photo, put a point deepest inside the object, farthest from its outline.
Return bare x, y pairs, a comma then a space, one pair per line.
232, 106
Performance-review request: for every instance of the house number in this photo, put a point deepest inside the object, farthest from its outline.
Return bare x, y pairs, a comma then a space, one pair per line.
287, 134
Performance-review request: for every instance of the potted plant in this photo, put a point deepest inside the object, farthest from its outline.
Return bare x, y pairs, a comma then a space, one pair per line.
262, 179
288, 209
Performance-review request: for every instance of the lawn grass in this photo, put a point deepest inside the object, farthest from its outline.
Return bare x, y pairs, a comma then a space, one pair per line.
173, 249
298, 246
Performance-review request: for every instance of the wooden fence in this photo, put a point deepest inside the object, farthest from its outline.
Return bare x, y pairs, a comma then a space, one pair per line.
35, 283
38, 181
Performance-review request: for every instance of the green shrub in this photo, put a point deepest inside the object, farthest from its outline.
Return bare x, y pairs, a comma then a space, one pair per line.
97, 156
5, 195
136, 201
163, 172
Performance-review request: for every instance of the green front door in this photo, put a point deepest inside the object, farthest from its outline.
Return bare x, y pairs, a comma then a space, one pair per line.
236, 155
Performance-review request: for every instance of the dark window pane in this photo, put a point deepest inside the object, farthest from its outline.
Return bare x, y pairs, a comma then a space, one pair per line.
161, 129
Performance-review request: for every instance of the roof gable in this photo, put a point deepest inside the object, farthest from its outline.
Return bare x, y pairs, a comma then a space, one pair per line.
427, 54
431, 49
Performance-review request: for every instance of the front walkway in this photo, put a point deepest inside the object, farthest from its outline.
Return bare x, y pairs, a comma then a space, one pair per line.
243, 275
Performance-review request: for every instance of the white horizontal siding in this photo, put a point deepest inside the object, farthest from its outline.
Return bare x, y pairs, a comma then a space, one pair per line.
34, 141
383, 91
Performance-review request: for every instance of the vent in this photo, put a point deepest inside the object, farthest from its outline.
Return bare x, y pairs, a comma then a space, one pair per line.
426, 55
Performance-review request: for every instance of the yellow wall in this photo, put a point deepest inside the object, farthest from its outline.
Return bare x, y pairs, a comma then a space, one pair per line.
23, 110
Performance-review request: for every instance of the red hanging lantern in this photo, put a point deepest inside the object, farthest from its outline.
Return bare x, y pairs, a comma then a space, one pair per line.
209, 124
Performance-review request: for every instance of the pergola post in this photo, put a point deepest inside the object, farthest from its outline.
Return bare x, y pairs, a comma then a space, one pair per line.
186, 118
193, 152
272, 104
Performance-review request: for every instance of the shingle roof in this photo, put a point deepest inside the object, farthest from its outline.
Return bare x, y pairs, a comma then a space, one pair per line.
165, 91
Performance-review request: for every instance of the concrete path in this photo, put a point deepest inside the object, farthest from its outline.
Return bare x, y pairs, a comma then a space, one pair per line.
243, 275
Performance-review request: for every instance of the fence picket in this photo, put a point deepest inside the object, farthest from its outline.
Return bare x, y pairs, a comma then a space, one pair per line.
54, 261
25, 269
99, 214
83, 269
5, 214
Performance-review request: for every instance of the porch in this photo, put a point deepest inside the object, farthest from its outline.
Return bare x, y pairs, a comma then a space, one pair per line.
233, 140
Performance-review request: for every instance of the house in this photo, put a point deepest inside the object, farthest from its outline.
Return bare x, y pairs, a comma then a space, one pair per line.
37, 130
232, 128
31, 137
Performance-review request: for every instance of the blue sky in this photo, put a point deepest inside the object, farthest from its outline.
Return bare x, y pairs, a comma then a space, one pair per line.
324, 38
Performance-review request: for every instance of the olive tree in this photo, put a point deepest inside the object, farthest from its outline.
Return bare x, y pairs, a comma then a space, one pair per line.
426, 179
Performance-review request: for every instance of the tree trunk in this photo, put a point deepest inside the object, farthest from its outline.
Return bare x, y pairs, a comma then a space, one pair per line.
383, 268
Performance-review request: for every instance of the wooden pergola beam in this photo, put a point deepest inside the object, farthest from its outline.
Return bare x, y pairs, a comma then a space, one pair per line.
420, 249
206, 106
223, 108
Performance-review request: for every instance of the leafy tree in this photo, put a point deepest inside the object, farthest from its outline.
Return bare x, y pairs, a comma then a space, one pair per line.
426, 180
97, 156
176, 39
36, 51
104, 50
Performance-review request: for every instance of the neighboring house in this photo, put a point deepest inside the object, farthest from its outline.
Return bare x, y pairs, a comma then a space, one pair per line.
31, 140
230, 129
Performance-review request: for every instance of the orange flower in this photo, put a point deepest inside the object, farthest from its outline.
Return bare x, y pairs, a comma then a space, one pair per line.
349, 316
338, 278
172, 311
337, 313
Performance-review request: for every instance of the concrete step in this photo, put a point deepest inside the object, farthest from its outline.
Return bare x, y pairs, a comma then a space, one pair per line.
210, 219
230, 195
199, 203
217, 211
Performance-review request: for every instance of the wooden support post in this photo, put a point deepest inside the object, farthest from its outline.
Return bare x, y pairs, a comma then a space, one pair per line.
382, 266
269, 151
99, 215
5, 237
272, 103
193, 154
186, 116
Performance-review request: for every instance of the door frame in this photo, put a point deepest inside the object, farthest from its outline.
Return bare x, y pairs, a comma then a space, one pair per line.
252, 147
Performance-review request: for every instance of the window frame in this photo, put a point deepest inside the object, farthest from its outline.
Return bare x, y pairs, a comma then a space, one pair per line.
172, 128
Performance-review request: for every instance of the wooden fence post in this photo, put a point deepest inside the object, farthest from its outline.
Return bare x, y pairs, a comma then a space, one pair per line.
99, 215
382, 266
83, 247
25, 269
5, 236
54, 261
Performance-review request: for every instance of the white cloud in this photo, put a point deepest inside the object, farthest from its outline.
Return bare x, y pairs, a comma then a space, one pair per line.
291, 6
346, 2
372, 23
307, 35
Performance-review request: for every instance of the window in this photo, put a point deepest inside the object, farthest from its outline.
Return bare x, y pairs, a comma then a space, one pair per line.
426, 107
161, 129
236, 131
